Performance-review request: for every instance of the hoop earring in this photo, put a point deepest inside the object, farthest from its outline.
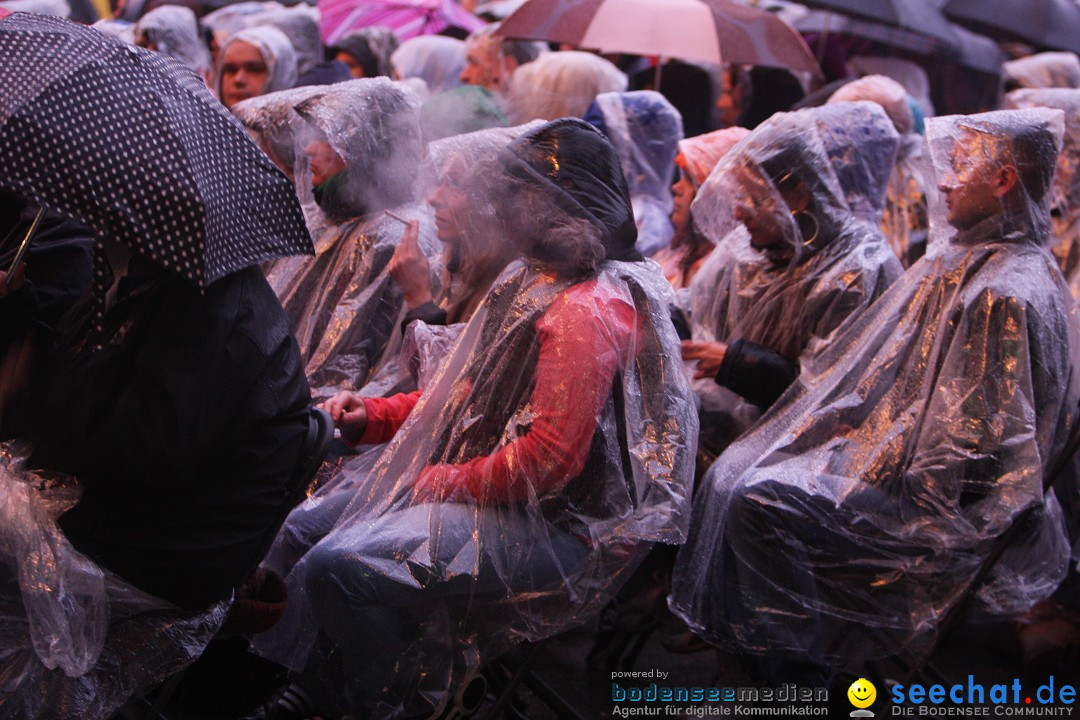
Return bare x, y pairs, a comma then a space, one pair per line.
817, 227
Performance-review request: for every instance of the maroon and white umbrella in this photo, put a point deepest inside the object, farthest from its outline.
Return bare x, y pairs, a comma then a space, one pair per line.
407, 18
716, 31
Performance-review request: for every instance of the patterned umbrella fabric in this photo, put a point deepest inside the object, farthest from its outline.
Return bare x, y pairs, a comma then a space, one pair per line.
407, 18
717, 31
131, 143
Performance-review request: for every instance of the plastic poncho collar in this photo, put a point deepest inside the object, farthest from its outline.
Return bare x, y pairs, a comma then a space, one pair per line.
174, 31
277, 53
373, 125
876, 485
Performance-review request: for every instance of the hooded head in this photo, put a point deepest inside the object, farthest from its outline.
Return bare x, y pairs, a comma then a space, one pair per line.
367, 51
566, 202
862, 144
302, 28
435, 59
562, 84
1044, 70
372, 126
253, 62
645, 130
174, 31
994, 172
780, 184
271, 120
1066, 191
886, 92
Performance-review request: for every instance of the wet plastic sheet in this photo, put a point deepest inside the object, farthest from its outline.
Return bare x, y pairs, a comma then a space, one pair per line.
851, 518
76, 641
561, 84
550, 448
1043, 70
174, 31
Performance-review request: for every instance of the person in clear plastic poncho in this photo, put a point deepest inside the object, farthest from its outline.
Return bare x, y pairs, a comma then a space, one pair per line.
174, 31
854, 515
645, 130
793, 210
904, 221
461, 177
361, 144
1065, 196
553, 445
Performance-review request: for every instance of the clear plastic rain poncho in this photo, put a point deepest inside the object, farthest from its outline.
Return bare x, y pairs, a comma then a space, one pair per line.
229, 19
1044, 70
830, 261
853, 516
276, 50
561, 84
272, 122
342, 304
645, 130
76, 640
299, 23
1065, 197
552, 446
463, 175
904, 222
173, 30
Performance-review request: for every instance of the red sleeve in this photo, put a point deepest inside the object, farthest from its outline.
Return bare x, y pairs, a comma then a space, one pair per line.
584, 338
386, 415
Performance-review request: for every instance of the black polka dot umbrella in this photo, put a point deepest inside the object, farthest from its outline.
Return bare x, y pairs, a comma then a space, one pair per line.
131, 143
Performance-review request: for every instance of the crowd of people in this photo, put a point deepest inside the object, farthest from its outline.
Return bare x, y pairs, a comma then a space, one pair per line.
816, 355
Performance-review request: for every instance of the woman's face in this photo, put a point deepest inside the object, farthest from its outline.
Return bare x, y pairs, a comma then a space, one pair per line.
451, 204
324, 161
244, 73
758, 209
682, 192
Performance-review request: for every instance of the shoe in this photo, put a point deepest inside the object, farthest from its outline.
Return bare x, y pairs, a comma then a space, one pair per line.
291, 703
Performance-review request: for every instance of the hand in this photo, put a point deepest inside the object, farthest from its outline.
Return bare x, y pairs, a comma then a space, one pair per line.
410, 268
349, 414
14, 281
709, 356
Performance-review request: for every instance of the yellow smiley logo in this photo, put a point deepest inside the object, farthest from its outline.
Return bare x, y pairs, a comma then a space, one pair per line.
862, 693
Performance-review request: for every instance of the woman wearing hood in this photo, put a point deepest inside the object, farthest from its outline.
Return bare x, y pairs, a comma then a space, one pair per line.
853, 517
255, 61
792, 211
697, 157
645, 130
435, 59
561, 84
173, 30
552, 446
361, 140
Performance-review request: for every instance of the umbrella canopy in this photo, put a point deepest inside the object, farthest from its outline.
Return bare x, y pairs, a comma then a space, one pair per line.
716, 31
1053, 24
966, 49
131, 143
917, 16
407, 18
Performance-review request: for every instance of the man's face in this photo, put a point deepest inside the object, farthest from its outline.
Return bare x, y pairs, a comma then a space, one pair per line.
969, 183
243, 73
324, 161
481, 64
